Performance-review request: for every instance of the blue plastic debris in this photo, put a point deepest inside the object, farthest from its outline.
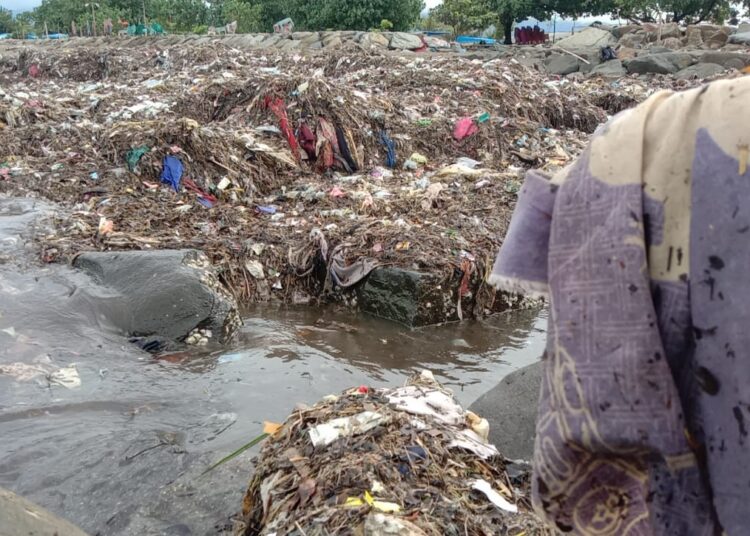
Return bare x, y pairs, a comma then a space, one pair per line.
390, 149
171, 172
266, 209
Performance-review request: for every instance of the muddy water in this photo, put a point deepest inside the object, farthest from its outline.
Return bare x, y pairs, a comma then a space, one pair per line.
116, 441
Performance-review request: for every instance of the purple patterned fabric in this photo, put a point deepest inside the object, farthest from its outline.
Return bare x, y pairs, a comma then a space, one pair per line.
643, 247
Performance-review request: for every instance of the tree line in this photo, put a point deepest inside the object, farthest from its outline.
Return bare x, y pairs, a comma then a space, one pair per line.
457, 16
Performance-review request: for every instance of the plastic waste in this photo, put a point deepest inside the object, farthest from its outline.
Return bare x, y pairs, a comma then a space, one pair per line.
171, 172
464, 128
327, 433
494, 497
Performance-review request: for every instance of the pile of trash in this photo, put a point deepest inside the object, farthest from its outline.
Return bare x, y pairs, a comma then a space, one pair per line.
284, 166
403, 461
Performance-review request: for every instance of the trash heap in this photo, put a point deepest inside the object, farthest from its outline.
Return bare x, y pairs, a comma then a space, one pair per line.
297, 174
403, 461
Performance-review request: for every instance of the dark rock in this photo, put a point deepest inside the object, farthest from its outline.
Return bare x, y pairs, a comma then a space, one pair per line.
403, 296
699, 71
561, 64
667, 63
609, 69
511, 410
164, 294
22, 517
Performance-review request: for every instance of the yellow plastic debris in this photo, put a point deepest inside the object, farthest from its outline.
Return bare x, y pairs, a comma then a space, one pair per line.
271, 428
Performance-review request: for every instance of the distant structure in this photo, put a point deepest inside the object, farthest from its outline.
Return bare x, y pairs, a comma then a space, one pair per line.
285, 26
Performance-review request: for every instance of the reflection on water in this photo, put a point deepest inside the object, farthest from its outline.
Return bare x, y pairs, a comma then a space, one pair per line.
123, 453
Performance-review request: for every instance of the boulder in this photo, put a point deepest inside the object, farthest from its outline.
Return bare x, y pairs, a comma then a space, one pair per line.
332, 41
624, 53
301, 36
405, 41
665, 31
699, 71
744, 27
310, 38
588, 38
633, 40
165, 294
511, 410
707, 30
728, 60
716, 40
668, 63
619, 31
694, 36
672, 43
561, 64
609, 69
410, 298
742, 38
374, 40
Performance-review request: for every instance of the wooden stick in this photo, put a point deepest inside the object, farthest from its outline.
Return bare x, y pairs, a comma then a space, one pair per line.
587, 62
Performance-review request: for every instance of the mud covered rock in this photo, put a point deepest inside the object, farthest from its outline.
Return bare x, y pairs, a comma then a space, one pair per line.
168, 294
511, 409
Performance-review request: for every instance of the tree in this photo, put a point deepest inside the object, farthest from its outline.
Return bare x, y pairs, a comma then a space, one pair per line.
249, 16
352, 14
684, 11
6, 21
465, 15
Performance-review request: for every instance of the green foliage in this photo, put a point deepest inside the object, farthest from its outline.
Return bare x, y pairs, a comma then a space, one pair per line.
6, 21
687, 11
465, 15
386, 25
249, 16
352, 14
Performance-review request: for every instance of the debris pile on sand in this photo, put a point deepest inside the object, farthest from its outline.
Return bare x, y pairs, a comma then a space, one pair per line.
407, 460
297, 174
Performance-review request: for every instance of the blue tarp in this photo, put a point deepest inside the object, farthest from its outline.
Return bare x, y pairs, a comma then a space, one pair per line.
5, 35
472, 40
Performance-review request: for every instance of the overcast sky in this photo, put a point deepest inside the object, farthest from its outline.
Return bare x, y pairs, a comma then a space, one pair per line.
22, 5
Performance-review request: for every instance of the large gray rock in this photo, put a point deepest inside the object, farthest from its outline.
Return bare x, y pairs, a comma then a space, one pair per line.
405, 41
561, 64
740, 38
694, 36
632, 40
668, 63
716, 40
728, 60
21, 517
588, 38
165, 295
511, 410
374, 40
744, 27
609, 69
699, 71
665, 31
619, 31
